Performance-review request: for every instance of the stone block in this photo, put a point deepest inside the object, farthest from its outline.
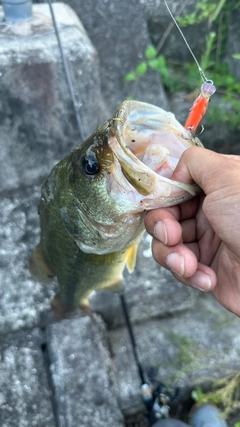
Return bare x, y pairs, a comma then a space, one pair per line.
82, 377
37, 123
118, 30
24, 303
25, 396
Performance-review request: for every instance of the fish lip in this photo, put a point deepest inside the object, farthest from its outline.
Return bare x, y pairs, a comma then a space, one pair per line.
133, 169
143, 178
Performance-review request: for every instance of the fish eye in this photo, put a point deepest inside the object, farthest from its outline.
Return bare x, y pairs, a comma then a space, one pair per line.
90, 164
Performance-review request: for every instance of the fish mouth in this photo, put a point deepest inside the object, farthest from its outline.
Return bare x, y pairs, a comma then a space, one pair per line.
148, 143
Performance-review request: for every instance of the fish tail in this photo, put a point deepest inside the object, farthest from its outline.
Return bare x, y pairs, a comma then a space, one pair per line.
38, 266
63, 311
60, 310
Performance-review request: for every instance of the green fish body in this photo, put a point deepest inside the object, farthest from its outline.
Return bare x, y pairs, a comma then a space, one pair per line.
93, 203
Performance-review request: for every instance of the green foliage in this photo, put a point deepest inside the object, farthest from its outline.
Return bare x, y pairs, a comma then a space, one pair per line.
207, 61
153, 60
217, 12
141, 69
208, 10
168, 73
159, 63
197, 394
204, 9
151, 52
200, 397
224, 392
139, 72
130, 77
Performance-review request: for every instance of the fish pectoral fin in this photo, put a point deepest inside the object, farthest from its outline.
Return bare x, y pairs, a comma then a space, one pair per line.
131, 257
38, 266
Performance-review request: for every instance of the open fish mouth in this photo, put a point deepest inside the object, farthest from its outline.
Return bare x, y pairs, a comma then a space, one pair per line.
148, 143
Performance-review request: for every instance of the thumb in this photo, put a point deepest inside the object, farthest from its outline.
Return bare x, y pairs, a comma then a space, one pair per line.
204, 167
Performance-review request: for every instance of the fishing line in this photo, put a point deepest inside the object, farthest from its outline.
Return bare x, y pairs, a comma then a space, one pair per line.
67, 75
202, 74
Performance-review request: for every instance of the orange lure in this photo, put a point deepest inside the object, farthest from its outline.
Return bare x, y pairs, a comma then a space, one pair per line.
200, 105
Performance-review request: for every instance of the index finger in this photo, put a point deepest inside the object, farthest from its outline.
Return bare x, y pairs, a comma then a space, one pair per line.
163, 224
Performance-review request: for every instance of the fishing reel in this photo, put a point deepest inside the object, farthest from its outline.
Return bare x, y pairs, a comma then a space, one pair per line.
157, 404
157, 399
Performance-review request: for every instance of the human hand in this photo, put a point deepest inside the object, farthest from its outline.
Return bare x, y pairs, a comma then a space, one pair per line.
199, 240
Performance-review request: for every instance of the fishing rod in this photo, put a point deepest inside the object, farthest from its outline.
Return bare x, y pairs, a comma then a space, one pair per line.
155, 396
132, 338
75, 104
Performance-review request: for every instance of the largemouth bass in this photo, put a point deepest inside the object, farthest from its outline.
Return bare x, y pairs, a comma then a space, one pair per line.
93, 203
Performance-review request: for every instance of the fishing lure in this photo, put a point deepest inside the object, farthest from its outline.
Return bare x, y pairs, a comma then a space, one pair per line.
200, 104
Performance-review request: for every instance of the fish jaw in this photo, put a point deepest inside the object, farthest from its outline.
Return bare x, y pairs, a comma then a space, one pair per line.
147, 143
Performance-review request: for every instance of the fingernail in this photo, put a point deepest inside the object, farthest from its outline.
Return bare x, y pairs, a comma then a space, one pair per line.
160, 232
176, 263
201, 281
